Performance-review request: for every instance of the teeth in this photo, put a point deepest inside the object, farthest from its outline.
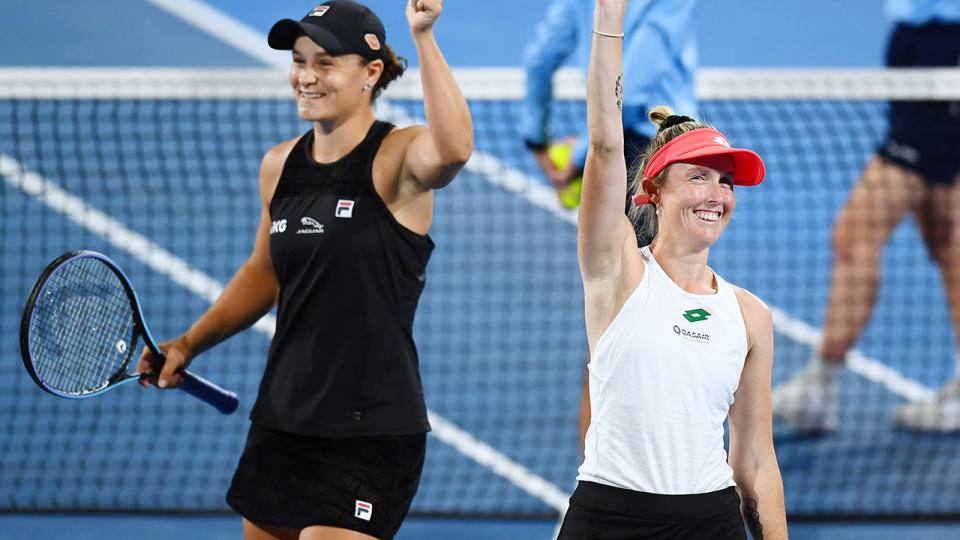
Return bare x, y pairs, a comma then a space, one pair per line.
707, 216
309, 96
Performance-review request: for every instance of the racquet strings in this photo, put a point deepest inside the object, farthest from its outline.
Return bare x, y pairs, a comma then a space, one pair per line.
81, 331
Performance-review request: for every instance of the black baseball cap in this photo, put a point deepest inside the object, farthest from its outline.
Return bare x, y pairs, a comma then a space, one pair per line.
339, 26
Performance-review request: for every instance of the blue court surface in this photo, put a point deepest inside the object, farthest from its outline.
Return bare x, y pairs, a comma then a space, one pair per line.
107, 527
500, 324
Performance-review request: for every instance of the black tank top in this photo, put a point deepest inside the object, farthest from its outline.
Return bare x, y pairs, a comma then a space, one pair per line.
342, 362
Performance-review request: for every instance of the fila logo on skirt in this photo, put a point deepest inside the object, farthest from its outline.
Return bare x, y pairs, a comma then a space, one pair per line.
363, 510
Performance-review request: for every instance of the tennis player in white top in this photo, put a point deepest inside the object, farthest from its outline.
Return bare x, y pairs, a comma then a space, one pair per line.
676, 350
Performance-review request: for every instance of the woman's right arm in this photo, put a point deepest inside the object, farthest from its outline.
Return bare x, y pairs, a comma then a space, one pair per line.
605, 237
249, 295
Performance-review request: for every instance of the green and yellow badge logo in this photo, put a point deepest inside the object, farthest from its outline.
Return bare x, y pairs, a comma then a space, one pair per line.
696, 315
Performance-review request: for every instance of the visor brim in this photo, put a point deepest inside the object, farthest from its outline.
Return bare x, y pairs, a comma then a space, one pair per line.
748, 168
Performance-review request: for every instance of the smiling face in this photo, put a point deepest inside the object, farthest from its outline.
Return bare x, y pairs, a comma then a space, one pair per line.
696, 201
330, 87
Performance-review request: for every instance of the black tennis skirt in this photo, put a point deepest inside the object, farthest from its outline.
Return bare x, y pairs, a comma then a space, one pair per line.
600, 512
924, 135
364, 484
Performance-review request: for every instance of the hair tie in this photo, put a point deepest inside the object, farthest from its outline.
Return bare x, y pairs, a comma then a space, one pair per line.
673, 120
641, 199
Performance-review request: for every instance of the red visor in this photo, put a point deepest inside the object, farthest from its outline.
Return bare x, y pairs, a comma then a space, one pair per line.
748, 167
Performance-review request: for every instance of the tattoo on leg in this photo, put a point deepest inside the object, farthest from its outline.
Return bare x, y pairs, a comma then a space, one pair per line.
753, 518
618, 90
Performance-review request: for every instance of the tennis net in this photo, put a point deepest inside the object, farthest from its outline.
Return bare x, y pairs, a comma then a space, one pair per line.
158, 169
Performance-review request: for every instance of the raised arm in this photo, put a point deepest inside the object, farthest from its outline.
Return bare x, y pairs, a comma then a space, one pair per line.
752, 456
606, 244
603, 227
437, 152
249, 295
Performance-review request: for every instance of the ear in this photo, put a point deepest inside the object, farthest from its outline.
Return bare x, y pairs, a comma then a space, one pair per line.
374, 69
651, 190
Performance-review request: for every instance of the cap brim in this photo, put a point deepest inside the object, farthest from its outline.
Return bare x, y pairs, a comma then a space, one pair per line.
748, 168
285, 32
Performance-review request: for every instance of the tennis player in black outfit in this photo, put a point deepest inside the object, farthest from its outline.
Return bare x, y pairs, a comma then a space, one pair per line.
337, 442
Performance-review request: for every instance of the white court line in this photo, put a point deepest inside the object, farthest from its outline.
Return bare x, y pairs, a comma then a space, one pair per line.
225, 28
856, 361
135, 244
195, 281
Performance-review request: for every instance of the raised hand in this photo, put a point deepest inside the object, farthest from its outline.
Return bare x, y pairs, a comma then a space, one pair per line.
615, 8
617, 4
421, 14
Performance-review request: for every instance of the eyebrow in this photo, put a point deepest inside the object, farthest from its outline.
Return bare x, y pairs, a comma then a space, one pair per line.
317, 55
703, 168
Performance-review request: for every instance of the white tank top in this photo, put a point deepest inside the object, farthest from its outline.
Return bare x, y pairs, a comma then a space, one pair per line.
662, 378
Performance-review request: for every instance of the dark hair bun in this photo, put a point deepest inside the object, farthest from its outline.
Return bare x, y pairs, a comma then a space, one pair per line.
673, 120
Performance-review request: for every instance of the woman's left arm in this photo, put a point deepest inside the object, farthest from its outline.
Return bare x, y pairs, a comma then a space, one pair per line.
437, 153
752, 457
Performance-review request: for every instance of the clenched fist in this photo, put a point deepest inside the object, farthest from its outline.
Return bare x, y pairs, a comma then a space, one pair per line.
421, 14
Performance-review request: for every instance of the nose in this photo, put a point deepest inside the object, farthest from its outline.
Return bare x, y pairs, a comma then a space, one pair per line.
306, 76
719, 192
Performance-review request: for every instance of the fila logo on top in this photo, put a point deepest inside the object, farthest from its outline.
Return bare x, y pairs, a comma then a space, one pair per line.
344, 209
363, 510
319, 11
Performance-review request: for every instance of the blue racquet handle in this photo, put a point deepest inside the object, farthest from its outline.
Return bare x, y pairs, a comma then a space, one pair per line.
224, 400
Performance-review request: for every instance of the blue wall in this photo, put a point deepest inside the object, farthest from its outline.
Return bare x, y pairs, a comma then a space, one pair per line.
471, 33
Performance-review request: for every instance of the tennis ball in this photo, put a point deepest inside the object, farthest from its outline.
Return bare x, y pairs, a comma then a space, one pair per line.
570, 195
559, 154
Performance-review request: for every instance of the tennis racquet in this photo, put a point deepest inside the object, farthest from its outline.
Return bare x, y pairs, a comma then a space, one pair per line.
80, 329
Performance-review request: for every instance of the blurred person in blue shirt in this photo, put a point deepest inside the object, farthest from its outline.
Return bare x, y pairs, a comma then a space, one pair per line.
659, 64
915, 170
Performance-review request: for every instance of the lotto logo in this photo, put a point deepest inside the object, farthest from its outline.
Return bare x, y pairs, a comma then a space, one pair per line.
278, 226
344, 209
363, 510
696, 315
